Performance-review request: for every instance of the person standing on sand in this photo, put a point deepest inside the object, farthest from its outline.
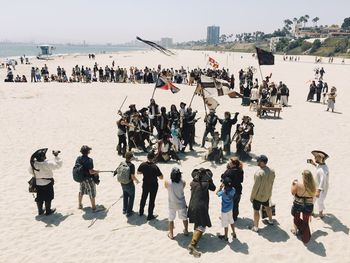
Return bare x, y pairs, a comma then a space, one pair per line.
331, 99
88, 185
262, 191
322, 179
227, 193
235, 172
151, 173
176, 201
198, 209
42, 169
304, 193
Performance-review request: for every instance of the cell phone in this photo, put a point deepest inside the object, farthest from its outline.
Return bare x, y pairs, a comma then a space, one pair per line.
309, 160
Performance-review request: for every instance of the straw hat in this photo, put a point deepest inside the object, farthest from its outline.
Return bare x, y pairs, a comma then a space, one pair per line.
317, 153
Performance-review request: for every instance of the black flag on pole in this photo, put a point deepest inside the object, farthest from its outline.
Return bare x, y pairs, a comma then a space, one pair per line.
265, 57
156, 46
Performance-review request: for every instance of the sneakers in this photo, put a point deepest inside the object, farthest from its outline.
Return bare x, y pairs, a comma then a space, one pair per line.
254, 229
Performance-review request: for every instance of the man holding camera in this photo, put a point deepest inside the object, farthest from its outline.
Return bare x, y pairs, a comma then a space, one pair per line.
88, 185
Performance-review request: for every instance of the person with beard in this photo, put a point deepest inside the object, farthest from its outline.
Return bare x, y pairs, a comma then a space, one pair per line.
210, 121
245, 133
312, 91
189, 128
198, 209
226, 127
153, 110
42, 170
235, 172
162, 125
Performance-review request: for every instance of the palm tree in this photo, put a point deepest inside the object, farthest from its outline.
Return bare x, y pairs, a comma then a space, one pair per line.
315, 20
306, 19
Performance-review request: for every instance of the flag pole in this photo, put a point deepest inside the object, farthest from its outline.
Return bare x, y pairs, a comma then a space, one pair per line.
154, 90
194, 93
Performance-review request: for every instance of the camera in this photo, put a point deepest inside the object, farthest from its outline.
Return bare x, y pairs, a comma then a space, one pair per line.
56, 153
309, 160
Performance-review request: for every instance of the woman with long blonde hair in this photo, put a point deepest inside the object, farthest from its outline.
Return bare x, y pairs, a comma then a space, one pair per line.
304, 192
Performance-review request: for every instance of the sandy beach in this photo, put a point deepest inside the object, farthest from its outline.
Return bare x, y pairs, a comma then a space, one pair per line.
65, 116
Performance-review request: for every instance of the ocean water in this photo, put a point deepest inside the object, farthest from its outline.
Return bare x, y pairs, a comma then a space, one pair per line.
8, 50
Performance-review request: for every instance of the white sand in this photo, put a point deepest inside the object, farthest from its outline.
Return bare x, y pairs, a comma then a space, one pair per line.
66, 116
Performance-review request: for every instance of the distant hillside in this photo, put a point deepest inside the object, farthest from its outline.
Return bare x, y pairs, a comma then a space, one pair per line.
233, 47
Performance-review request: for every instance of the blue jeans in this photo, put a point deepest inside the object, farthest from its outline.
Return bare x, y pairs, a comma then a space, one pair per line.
128, 197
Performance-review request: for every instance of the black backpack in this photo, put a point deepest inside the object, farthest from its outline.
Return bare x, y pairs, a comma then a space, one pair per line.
78, 171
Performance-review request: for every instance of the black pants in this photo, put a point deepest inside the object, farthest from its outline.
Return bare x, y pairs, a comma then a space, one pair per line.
236, 200
152, 191
121, 144
206, 132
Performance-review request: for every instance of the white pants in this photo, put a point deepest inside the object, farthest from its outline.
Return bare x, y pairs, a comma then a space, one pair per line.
284, 100
273, 99
320, 201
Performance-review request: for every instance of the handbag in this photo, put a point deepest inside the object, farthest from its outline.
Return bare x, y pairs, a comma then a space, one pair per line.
32, 184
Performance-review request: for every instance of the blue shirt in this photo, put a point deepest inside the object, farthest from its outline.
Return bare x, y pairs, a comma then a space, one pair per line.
226, 199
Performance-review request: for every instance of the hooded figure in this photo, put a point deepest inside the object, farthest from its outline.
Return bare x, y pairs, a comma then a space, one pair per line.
42, 169
198, 210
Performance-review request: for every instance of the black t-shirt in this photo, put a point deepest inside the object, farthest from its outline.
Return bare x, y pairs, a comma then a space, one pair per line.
132, 168
87, 163
150, 173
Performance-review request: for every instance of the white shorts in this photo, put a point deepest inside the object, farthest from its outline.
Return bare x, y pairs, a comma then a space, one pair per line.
226, 219
181, 213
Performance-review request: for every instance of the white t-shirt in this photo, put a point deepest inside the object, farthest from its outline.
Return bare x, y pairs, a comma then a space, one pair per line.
322, 177
254, 95
176, 195
45, 170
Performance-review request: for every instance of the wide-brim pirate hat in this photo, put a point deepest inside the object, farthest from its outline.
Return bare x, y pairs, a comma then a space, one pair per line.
321, 154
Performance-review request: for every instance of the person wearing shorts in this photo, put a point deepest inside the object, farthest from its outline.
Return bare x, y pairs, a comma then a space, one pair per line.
176, 201
262, 191
227, 192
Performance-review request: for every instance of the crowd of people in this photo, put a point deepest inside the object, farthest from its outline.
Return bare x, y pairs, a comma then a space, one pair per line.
306, 192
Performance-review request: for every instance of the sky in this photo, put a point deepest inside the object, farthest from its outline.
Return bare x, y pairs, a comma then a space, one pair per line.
115, 21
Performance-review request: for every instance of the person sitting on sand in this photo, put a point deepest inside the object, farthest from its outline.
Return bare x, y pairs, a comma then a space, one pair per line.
166, 150
198, 209
226, 192
176, 201
215, 152
304, 192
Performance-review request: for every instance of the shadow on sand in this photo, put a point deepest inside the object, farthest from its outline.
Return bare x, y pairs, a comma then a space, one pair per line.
52, 220
317, 247
335, 224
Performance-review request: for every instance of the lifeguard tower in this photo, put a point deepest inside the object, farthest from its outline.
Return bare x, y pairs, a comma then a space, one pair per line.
45, 52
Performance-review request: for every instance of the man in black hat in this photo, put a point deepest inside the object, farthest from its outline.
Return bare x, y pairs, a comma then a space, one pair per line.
244, 139
42, 170
262, 191
210, 121
151, 173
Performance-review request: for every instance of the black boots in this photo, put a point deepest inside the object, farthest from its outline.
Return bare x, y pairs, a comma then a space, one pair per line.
48, 209
40, 208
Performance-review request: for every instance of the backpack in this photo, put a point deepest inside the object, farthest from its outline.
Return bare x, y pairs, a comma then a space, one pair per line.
123, 173
78, 171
